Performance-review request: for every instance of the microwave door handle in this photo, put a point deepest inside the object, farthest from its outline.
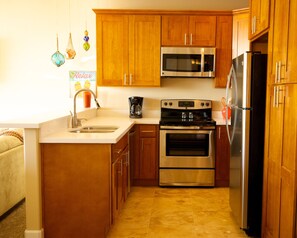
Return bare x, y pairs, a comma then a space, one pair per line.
202, 63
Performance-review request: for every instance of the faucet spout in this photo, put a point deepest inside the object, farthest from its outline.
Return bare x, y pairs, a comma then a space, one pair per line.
75, 121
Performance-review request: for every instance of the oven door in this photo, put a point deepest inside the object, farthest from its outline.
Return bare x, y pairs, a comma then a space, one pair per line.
187, 149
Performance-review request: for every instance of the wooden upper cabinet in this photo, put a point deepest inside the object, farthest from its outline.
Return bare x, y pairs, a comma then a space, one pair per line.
223, 50
240, 41
174, 30
283, 42
144, 50
259, 17
128, 50
181, 30
112, 49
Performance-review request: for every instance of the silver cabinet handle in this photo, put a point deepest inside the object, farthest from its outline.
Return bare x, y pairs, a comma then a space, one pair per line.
278, 68
130, 79
185, 38
279, 71
191, 39
274, 96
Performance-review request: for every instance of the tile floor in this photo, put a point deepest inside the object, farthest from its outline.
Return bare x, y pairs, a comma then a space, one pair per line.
154, 212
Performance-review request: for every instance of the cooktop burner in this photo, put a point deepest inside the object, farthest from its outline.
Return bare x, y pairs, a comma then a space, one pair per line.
192, 112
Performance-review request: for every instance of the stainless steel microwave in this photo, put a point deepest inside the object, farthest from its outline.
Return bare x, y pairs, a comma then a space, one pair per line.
188, 62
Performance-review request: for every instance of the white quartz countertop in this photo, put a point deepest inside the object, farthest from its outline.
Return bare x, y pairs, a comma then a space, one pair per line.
124, 124
54, 128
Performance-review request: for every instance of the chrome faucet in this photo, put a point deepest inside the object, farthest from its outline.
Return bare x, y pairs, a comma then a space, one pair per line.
77, 121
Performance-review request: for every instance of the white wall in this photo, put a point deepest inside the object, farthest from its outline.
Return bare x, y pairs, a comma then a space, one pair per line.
30, 83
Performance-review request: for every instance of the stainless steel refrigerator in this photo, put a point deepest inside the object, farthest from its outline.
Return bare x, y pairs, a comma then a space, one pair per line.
246, 94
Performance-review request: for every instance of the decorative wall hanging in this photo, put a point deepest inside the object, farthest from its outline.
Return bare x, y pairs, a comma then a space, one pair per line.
86, 45
57, 58
70, 52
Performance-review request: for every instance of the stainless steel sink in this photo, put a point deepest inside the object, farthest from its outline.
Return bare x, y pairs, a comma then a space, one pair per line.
94, 129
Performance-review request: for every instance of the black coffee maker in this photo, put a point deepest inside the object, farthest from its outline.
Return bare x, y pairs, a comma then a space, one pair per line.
135, 104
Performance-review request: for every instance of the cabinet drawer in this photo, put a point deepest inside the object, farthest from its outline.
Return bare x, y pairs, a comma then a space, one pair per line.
119, 147
148, 131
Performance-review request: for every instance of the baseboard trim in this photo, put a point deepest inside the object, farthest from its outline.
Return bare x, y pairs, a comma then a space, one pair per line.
34, 233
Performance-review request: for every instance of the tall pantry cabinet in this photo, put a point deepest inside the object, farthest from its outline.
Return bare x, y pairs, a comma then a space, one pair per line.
279, 194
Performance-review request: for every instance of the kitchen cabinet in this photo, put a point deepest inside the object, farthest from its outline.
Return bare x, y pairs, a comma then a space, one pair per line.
182, 30
259, 17
75, 190
279, 192
128, 49
280, 163
222, 157
283, 42
119, 175
223, 50
240, 42
145, 164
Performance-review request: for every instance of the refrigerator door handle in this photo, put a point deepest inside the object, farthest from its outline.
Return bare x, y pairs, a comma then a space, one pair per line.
231, 76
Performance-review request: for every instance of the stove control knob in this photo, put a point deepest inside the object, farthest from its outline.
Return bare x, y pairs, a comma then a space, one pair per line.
202, 104
207, 104
165, 103
191, 116
184, 115
170, 104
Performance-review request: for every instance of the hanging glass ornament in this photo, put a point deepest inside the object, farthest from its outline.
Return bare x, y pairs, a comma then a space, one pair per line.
57, 58
70, 52
86, 45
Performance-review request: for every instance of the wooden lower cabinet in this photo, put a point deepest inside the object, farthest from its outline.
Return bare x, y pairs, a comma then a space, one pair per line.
119, 175
146, 154
75, 190
222, 157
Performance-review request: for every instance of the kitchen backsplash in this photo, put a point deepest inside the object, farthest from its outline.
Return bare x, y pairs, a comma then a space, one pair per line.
179, 88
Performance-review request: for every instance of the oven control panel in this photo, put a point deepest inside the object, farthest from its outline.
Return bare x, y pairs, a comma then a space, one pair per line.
185, 104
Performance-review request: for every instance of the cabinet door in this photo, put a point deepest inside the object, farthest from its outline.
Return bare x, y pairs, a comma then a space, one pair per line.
240, 42
148, 152
117, 187
202, 31
259, 17
125, 172
279, 40
144, 50
223, 50
288, 163
148, 159
279, 205
174, 30
272, 166
145, 164
222, 157
112, 50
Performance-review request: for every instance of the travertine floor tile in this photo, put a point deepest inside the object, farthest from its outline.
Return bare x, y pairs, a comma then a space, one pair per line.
154, 212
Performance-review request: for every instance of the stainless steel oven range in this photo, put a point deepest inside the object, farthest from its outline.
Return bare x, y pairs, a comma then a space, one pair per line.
187, 152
